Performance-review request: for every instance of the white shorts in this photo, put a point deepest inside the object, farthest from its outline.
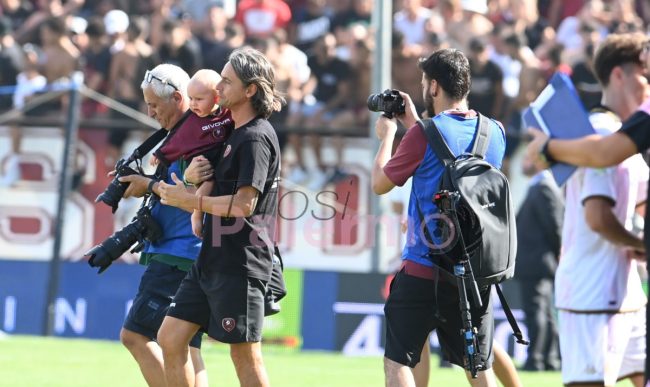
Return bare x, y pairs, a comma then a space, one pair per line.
601, 348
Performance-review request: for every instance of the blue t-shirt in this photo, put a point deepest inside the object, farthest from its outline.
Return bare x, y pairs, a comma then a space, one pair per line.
177, 239
459, 132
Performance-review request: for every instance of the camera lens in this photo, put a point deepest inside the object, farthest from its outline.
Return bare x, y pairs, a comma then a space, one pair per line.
143, 227
375, 103
113, 194
114, 246
115, 190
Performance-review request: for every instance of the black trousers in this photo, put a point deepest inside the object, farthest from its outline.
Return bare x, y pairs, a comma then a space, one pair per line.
537, 300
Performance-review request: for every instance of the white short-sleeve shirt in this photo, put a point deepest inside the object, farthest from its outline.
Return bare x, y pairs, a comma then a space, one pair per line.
595, 275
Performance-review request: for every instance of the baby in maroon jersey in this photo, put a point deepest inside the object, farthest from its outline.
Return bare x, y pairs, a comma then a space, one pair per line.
204, 103
203, 132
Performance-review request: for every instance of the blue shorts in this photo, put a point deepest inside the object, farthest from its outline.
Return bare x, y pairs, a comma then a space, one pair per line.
158, 286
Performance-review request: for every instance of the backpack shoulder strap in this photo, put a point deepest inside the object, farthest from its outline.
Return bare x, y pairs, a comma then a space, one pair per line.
436, 141
482, 139
511, 318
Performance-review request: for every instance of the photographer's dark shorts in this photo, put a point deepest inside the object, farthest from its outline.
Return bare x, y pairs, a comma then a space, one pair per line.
413, 310
229, 307
158, 286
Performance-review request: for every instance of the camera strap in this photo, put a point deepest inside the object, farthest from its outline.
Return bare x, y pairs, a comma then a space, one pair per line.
149, 144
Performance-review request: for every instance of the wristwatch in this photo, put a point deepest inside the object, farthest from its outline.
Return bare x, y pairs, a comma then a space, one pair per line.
150, 187
546, 155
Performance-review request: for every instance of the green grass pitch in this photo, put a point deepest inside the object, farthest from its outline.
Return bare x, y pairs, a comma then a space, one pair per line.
43, 362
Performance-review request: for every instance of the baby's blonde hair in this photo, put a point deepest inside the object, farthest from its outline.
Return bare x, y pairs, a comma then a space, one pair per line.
208, 78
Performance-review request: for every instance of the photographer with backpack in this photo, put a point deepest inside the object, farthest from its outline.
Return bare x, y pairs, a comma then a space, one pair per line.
423, 295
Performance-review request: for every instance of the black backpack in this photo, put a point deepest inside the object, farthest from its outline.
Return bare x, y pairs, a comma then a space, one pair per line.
474, 197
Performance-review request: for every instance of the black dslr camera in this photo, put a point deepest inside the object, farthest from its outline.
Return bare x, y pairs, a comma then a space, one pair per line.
389, 102
142, 228
115, 190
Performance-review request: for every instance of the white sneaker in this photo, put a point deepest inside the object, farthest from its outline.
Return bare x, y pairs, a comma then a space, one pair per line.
11, 173
297, 175
317, 181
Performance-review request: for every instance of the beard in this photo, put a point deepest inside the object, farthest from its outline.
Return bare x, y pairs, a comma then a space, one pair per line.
428, 102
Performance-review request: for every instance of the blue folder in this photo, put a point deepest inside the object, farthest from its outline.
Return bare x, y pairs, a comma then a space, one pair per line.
558, 112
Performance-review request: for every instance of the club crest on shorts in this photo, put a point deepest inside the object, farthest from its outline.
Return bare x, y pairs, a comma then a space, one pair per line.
228, 324
227, 151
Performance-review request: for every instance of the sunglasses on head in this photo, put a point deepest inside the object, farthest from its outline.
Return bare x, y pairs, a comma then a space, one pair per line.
149, 77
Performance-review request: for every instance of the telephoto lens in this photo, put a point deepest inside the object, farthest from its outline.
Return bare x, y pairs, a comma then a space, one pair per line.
142, 228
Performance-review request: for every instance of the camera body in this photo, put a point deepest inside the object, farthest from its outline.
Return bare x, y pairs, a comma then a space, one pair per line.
389, 102
115, 190
142, 228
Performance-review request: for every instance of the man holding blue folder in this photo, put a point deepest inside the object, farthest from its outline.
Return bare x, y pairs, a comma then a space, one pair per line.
598, 290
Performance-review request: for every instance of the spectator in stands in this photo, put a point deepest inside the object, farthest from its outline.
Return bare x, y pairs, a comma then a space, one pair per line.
28, 32
212, 33
571, 34
560, 10
510, 67
486, 93
11, 61
59, 59
355, 113
262, 17
199, 13
412, 20
582, 74
28, 82
473, 23
127, 67
531, 83
116, 22
286, 81
314, 22
357, 12
524, 18
217, 55
404, 78
330, 89
96, 59
17, 11
60, 56
180, 47
624, 17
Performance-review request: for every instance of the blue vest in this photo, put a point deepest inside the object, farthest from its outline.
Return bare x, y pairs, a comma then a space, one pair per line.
458, 132
176, 224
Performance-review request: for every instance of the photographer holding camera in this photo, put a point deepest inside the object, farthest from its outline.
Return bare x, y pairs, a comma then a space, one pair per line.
419, 299
176, 248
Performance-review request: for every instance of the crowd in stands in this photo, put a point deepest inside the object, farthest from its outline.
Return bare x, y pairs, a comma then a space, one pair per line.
322, 51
